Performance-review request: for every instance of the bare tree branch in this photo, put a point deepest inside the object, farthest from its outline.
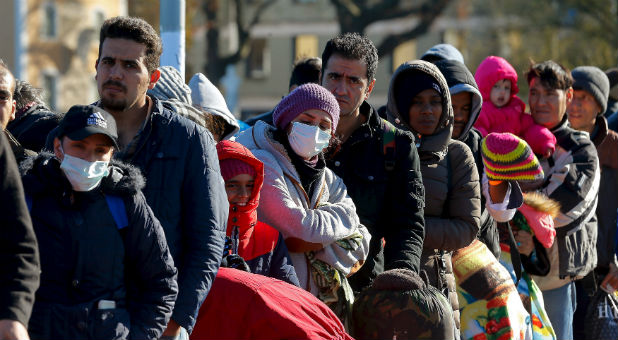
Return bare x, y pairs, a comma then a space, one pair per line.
346, 6
429, 13
245, 32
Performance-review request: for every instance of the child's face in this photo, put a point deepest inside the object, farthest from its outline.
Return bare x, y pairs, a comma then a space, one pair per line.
500, 92
239, 189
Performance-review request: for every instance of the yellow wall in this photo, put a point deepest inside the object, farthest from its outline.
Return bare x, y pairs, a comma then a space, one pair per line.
71, 55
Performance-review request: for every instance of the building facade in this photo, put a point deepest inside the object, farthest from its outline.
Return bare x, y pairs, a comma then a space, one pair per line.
54, 45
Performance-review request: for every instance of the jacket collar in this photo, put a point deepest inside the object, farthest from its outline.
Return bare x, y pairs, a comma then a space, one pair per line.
366, 130
600, 131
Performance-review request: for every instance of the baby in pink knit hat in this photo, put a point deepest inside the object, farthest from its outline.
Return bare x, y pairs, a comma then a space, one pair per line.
503, 110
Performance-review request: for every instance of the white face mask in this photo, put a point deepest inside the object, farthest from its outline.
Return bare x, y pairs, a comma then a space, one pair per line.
83, 175
308, 140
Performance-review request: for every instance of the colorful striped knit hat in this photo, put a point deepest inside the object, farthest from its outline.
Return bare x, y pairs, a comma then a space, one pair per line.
508, 158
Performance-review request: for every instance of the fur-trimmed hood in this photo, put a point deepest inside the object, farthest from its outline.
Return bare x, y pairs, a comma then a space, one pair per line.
43, 174
436, 143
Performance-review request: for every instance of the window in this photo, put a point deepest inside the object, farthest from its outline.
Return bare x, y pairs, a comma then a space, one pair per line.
258, 63
50, 90
49, 25
305, 46
404, 52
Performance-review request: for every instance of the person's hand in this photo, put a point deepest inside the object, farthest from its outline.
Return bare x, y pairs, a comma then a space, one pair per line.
497, 190
525, 244
12, 330
172, 330
610, 282
235, 261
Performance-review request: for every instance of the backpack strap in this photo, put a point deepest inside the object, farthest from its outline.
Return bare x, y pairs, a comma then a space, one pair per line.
115, 204
388, 144
118, 210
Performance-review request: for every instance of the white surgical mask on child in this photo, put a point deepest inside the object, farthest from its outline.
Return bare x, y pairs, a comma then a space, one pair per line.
308, 140
83, 175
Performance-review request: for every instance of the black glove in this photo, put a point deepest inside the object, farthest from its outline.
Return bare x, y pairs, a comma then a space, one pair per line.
236, 262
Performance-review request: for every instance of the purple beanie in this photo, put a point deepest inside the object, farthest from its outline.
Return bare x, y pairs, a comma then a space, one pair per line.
306, 97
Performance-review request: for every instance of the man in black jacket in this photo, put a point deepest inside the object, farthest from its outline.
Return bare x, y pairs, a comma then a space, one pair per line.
383, 178
184, 186
19, 255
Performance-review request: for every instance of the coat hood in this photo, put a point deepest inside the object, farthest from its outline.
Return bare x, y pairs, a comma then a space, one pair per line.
435, 143
444, 52
490, 71
43, 174
171, 85
460, 79
207, 96
246, 216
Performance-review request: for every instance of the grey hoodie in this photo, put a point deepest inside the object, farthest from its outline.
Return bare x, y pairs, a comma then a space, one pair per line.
207, 97
444, 52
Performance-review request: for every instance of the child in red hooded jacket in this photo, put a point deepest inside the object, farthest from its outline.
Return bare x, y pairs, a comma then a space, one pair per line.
503, 111
261, 246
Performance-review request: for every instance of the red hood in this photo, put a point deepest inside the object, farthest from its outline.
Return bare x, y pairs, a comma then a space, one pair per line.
245, 217
490, 71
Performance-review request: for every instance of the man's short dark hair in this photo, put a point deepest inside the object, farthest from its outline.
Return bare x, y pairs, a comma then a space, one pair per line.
355, 47
135, 29
25, 94
551, 74
306, 70
5, 71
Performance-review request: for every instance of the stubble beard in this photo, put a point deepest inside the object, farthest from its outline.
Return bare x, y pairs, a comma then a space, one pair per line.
117, 105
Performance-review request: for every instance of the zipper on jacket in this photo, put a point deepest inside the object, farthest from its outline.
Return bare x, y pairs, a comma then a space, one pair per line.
235, 240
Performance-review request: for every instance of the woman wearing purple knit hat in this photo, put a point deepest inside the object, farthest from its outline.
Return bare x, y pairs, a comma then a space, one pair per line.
306, 201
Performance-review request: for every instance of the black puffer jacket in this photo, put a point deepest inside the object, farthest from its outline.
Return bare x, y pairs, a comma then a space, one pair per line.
459, 79
86, 257
389, 202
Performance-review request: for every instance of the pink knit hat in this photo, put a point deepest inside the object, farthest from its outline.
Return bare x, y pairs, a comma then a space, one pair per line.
306, 97
232, 167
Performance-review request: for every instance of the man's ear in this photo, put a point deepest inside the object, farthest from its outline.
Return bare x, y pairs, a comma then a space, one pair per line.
569, 95
154, 77
58, 149
13, 110
369, 88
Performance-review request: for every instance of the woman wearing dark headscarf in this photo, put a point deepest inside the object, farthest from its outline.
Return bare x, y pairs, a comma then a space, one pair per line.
419, 101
